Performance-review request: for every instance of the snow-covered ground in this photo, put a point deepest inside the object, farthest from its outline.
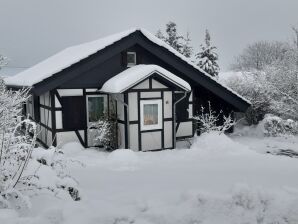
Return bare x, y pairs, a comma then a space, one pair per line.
219, 179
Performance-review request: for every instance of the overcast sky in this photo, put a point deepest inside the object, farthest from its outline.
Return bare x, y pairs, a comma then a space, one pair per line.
32, 30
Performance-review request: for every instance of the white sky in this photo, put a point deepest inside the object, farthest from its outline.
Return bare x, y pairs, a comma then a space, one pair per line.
32, 30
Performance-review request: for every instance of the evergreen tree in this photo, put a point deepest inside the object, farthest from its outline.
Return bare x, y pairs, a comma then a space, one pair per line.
207, 58
173, 38
160, 35
186, 48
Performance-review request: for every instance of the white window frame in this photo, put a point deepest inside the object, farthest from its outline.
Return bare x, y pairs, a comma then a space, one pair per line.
105, 101
135, 57
153, 126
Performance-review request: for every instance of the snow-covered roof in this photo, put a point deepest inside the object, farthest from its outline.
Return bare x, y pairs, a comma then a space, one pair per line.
74, 54
10, 71
138, 73
62, 60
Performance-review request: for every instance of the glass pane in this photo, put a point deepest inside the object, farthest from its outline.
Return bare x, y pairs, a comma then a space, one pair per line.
131, 58
150, 114
95, 108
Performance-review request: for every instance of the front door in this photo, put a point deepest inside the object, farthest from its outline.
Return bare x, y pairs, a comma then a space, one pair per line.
96, 107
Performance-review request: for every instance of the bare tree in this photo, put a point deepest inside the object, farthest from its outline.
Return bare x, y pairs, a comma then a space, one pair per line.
256, 56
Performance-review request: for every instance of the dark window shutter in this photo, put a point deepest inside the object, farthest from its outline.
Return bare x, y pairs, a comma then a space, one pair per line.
73, 112
124, 58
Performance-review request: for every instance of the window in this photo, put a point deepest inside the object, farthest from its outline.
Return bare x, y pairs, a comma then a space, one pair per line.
151, 114
131, 59
95, 107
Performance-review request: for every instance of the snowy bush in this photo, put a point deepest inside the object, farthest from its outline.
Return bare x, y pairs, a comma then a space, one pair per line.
17, 140
253, 87
17, 143
276, 126
209, 121
106, 128
54, 162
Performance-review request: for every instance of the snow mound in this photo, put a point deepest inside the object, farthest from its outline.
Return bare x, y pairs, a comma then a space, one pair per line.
122, 160
215, 142
72, 148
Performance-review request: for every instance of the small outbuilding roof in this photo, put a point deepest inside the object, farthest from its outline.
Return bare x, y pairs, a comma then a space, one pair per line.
134, 75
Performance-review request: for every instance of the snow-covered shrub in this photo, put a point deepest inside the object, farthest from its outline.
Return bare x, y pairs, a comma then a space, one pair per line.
17, 140
253, 87
276, 126
106, 131
54, 161
209, 121
215, 143
19, 171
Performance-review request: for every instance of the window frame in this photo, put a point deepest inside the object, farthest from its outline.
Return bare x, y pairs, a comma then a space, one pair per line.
159, 111
105, 102
135, 58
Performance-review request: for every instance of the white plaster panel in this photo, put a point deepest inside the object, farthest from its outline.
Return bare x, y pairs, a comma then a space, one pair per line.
143, 85
150, 94
59, 119
120, 107
57, 103
121, 136
168, 134
91, 90
42, 133
157, 85
190, 111
191, 96
49, 138
185, 129
47, 99
133, 106
151, 140
133, 132
50, 119
70, 92
42, 118
168, 104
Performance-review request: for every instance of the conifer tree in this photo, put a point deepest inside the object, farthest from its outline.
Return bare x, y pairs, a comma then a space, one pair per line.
186, 48
207, 57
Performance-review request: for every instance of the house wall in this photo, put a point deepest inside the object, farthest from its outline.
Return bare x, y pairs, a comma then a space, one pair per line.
45, 134
151, 89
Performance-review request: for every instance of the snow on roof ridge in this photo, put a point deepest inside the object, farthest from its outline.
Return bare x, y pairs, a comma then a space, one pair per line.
31, 76
131, 76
